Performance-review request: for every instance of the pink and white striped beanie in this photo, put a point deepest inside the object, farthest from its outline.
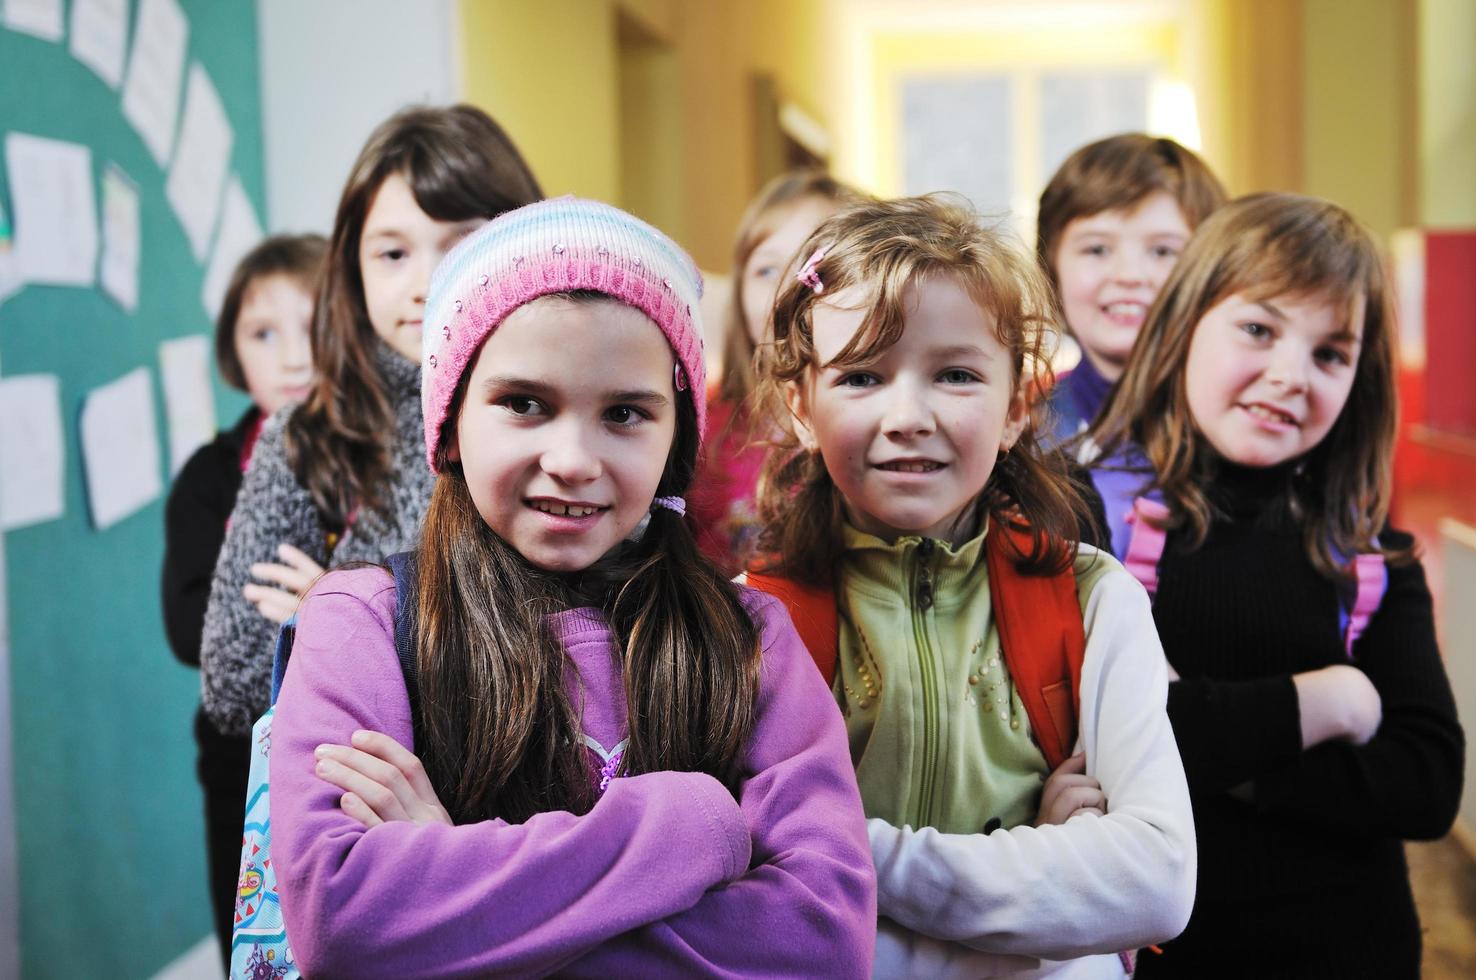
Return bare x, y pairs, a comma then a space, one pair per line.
553, 247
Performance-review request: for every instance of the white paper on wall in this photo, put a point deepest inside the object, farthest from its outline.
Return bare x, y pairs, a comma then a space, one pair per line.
55, 210
155, 68
200, 160
189, 404
100, 37
120, 448
121, 237
32, 451
239, 233
40, 18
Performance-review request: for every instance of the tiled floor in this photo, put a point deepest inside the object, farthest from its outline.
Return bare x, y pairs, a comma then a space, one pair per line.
1444, 879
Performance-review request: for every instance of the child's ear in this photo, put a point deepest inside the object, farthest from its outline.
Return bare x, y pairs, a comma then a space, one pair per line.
453, 447
796, 402
1016, 417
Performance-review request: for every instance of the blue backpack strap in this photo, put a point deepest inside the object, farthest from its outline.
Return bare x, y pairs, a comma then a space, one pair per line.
403, 567
286, 634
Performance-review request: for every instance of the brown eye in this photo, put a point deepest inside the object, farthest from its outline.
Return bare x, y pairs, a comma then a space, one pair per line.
520, 404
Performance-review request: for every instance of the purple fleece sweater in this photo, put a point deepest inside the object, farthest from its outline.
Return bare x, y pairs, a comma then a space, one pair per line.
667, 875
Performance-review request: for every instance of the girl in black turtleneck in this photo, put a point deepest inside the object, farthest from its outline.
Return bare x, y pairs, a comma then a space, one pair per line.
1259, 407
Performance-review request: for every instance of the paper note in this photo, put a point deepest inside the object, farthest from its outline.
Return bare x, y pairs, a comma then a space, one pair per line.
189, 403
155, 67
32, 450
200, 160
42, 18
239, 233
55, 210
120, 238
120, 448
100, 37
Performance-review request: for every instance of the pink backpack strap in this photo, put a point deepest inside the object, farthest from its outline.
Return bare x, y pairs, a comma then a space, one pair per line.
1372, 579
1145, 541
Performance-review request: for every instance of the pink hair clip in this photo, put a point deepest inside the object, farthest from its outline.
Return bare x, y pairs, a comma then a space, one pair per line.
810, 274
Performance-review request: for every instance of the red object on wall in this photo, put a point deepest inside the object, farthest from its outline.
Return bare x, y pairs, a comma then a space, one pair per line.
1450, 332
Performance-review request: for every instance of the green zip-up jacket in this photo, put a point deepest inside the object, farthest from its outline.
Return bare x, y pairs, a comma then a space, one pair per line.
951, 779
938, 734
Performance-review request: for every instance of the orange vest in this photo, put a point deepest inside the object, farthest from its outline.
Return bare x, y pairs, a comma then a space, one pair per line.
1040, 634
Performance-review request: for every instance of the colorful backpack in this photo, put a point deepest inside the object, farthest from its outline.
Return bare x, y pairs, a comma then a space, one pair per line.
1040, 635
259, 946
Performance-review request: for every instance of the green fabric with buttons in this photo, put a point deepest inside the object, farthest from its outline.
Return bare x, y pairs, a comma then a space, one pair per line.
938, 734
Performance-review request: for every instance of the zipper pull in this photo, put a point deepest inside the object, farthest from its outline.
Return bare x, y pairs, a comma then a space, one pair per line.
925, 574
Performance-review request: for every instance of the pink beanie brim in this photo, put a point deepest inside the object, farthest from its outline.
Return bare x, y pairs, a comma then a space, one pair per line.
552, 247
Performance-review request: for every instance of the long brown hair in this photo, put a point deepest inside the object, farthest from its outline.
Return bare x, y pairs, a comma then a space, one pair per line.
882, 248
765, 213
501, 738
460, 165
1262, 246
1116, 173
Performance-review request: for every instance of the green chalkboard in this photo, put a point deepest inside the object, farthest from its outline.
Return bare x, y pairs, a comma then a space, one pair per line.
108, 823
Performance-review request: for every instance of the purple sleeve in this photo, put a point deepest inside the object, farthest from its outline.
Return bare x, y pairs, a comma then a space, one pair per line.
415, 900
807, 907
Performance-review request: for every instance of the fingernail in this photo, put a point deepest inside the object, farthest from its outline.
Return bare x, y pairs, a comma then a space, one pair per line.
323, 766
320, 751
360, 736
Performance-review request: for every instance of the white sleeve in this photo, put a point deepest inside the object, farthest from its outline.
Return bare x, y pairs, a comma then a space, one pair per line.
1091, 885
900, 952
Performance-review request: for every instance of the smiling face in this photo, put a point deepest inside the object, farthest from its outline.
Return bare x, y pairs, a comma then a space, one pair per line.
566, 426
400, 246
763, 272
1267, 379
911, 439
273, 340
1109, 269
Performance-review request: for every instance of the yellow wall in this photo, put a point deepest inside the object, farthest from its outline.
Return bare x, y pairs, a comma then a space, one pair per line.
1318, 97
547, 72
1447, 119
1245, 62
663, 124
1358, 140
721, 46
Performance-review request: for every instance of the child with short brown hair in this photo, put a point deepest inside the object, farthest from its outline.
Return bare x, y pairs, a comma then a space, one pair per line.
1112, 223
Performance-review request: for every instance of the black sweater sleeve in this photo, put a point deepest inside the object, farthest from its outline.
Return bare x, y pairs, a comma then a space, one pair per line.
1406, 781
194, 526
1233, 731
195, 517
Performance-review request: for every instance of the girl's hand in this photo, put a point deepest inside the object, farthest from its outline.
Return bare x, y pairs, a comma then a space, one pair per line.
1338, 702
381, 779
1070, 791
294, 577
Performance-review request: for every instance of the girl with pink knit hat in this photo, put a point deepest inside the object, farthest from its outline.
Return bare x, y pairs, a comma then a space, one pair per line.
623, 764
